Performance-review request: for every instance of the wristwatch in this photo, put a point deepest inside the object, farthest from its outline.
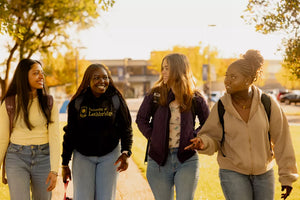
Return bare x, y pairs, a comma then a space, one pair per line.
128, 153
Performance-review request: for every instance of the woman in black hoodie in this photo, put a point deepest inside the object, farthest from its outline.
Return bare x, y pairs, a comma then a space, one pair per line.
98, 118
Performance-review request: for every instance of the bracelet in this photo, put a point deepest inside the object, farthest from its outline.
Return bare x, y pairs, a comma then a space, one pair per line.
55, 173
65, 166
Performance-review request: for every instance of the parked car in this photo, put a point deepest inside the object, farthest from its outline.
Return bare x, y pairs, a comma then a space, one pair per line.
290, 98
282, 92
216, 95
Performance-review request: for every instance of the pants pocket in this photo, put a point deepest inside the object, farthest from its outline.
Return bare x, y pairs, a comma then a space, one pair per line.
12, 148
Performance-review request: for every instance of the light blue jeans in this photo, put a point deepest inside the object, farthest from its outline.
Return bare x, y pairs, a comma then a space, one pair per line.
184, 176
28, 166
95, 178
238, 186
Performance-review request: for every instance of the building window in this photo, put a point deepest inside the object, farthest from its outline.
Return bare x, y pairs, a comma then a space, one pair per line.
135, 70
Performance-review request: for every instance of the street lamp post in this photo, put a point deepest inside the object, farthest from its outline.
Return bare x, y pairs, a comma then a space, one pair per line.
209, 72
76, 68
76, 64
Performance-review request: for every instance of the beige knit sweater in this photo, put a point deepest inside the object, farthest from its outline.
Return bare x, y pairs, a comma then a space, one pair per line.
40, 134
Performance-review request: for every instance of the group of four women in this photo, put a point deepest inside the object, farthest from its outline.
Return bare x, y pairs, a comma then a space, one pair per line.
98, 134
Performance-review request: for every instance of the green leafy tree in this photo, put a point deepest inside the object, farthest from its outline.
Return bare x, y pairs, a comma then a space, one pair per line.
38, 26
279, 16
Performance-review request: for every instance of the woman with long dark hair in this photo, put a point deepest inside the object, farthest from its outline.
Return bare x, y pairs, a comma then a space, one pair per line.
98, 119
32, 146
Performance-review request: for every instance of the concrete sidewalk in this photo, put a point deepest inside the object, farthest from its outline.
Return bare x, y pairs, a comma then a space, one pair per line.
131, 186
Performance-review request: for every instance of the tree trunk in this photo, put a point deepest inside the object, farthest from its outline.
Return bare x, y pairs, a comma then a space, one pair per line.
2, 88
4, 83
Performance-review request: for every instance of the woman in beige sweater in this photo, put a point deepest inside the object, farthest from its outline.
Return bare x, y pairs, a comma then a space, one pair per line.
32, 146
245, 156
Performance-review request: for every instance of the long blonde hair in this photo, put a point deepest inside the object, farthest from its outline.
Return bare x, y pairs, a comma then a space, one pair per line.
180, 80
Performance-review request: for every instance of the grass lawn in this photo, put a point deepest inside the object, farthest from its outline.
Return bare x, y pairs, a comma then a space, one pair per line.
209, 185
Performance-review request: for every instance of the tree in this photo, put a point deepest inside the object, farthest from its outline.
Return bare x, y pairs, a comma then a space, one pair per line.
279, 15
37, 26
60, 70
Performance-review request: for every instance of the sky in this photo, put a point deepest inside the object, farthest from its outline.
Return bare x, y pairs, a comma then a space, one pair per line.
134, 28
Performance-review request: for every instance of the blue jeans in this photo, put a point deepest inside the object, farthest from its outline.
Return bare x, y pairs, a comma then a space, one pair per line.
238, 186
28, 166
95, 178
184, 176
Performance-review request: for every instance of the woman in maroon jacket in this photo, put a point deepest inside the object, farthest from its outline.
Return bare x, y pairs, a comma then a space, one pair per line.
172, 106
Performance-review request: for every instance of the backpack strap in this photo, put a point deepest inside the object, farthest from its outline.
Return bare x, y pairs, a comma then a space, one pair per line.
116, 102
193, 108
78, 102
10, 103
266, 101
221, 112
50, 102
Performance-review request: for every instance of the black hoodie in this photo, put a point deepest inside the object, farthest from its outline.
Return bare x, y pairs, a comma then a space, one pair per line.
97, 127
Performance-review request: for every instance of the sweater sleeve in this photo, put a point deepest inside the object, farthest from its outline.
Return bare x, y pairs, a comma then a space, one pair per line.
125, 128
143, 117
202, 112
283, 147
4, 132
211, 133
68, 138
54, 139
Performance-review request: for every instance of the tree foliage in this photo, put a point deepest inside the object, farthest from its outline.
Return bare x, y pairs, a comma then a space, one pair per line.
61, 70
37, 26
287, 81
279, 15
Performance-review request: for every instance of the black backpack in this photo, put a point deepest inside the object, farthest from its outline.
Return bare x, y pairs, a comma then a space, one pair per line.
266, 101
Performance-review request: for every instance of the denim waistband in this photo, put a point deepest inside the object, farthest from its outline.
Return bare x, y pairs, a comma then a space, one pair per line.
172, 150
39, 147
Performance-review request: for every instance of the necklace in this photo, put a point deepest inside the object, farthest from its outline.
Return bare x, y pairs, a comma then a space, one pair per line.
244, 106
